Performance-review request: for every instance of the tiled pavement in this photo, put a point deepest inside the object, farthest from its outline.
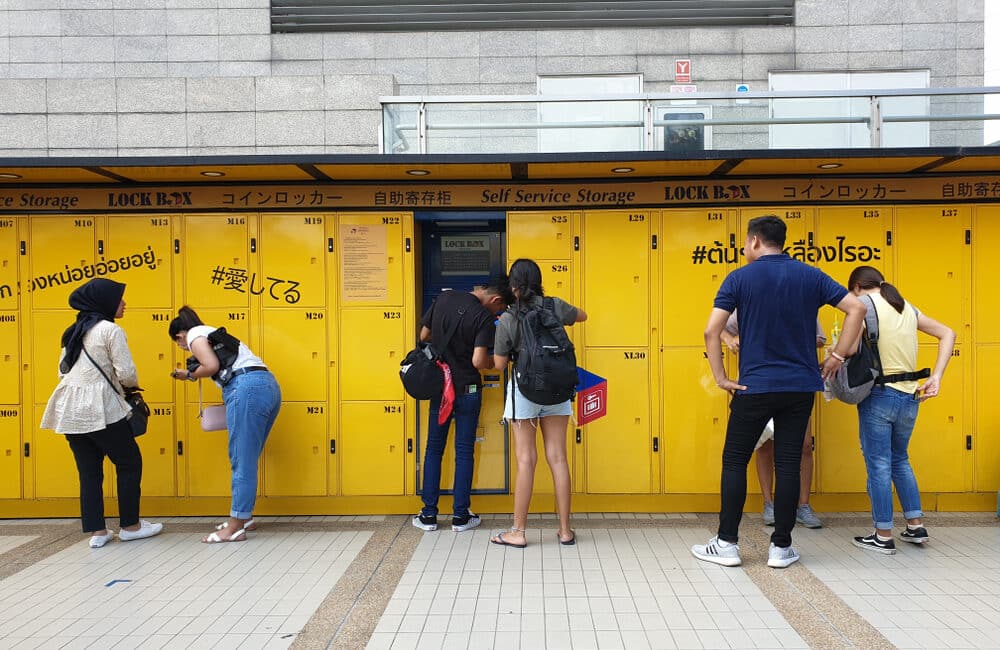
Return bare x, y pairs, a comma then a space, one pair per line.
377, 582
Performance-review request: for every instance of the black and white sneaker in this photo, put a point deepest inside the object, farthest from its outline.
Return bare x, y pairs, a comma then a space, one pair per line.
425, 522
468, 522
915, 535
873, 543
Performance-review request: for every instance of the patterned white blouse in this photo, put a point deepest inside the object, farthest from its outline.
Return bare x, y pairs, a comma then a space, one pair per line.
83, 401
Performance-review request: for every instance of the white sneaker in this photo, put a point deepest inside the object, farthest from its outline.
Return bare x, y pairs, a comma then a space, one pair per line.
779, 558
97, 541
715, 552
147, 529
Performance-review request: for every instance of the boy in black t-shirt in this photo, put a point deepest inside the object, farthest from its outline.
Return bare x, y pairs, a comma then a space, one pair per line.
466, 353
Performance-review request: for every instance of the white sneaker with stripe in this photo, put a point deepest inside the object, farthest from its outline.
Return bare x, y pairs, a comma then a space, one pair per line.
718, 552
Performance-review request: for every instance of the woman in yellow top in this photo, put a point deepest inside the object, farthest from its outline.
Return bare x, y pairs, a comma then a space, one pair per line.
887, 416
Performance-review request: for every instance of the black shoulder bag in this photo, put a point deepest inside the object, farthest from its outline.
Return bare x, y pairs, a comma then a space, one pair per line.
421, 376
138, 410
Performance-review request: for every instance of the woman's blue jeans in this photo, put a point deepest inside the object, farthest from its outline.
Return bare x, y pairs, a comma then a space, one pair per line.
252, 403
886, 419
465, 412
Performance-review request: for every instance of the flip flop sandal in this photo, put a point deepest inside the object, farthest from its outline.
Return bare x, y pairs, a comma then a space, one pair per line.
238, 536
500, 541
250, 525
569, 542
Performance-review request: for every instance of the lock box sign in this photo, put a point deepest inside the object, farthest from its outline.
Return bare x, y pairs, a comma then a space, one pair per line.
591, 397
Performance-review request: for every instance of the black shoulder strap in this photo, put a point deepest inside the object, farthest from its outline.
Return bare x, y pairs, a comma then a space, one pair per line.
106, 378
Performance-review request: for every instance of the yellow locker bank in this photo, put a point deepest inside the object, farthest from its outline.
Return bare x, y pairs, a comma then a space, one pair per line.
327, 280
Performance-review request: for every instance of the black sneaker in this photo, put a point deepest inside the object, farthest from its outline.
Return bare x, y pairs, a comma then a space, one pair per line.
915, 535
873, 543
425, 522
468, 522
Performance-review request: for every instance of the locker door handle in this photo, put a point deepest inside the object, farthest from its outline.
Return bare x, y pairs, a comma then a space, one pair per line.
333, 446
329, 244
656, 443
27, 450
810, 238
579, 436
180, 448
968, 442
24, 248
732, 240
177, 246
576, 243
100, 247
409, 445
253, 244
408, 245
654, 242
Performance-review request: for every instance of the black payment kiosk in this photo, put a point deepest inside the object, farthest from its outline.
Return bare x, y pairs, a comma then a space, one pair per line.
460, 250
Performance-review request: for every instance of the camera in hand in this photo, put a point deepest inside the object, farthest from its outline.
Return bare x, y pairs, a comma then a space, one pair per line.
192, 363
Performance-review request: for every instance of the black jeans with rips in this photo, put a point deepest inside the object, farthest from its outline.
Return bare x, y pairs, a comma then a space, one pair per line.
89, 449
748, 414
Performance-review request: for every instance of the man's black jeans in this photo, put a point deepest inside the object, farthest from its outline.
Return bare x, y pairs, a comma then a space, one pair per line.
748, 414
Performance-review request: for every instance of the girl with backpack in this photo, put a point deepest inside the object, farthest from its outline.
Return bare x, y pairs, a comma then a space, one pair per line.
252, 398
887, 416
525, 415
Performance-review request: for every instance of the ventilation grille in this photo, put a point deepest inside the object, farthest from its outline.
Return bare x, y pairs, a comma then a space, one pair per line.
474, 15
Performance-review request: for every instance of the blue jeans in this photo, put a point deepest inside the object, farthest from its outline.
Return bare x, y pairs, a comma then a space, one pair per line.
252, 403
886, 419
465, 413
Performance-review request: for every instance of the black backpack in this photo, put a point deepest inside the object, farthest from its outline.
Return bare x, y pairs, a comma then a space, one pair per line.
226, 348
545, 362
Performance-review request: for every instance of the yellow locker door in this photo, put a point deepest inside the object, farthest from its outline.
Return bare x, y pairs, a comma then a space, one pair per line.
371, 257
839, 464
152, 350
10, 358
207, 458
293, 345
937, 448
60, 251
557, 279
11, 452
10, 290
695, 414
540, 235
985, 268
699, 249
619, 445
293, 249
47, 328
237, 323
296, 451
986, 438
845, 238
142, 245
373, 342
158, 446
616, 278
217, 270
490, 454
371, 448
55, 469
931, 267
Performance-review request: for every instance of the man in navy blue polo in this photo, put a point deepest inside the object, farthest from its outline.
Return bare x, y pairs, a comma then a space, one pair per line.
778, 298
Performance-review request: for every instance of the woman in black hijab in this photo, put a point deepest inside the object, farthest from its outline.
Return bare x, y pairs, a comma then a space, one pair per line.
91, 413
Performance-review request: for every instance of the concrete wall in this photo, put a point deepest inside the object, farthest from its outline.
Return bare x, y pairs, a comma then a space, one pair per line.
171, 77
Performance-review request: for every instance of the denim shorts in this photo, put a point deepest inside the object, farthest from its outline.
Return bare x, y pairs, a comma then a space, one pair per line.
525, 409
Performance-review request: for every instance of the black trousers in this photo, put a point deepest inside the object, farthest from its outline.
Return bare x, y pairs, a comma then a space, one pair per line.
89, 449
748, 414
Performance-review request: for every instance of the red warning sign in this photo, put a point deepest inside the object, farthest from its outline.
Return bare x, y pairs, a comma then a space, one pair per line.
682, 71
